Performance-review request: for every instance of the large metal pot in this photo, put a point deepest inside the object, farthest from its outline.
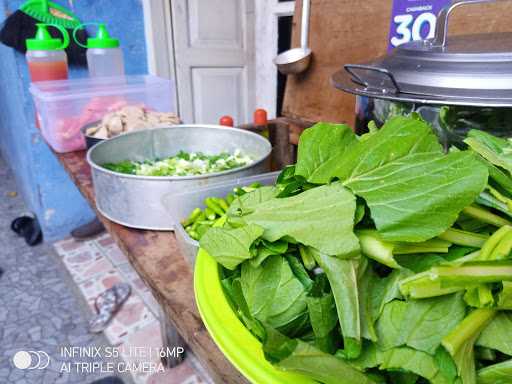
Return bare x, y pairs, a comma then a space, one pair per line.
136, 201
457, 83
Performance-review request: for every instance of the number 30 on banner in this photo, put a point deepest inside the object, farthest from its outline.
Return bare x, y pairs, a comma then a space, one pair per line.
410, 28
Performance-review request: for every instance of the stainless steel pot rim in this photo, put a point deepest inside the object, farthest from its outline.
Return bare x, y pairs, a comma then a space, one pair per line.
174, 178
343, 81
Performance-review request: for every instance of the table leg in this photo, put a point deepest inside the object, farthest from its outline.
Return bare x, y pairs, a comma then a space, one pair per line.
174, 347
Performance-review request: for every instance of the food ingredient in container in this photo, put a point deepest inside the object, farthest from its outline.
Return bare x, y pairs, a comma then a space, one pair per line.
136, 201
183, 164
375, 259
130, 118
66, 106
180, 207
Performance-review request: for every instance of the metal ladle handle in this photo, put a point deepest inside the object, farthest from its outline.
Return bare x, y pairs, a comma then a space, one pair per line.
441, 34
304, 25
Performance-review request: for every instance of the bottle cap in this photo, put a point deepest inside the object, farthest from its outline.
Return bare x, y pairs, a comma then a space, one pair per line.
43, 41
102, 39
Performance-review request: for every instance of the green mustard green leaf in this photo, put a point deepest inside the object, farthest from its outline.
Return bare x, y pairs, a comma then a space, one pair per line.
246, 202
323, 318
505, 296
273, 294
494, 149
498, 334
399, 138
322, 218
418, 362
342, 275
500, 373
298, 356
320, 148
405, 195
479, 296
230, 247
406, 180
420, 324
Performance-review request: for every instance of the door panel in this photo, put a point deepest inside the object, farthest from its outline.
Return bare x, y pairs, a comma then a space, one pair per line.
218, 92
206, 32
214, 56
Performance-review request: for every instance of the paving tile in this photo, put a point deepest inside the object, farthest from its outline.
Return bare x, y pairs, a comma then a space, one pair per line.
142, 347
40, 308
182, 374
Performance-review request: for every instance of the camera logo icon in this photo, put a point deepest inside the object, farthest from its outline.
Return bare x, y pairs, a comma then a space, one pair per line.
31, 360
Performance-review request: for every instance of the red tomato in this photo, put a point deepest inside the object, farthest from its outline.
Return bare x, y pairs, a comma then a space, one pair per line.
227, 121
260, 117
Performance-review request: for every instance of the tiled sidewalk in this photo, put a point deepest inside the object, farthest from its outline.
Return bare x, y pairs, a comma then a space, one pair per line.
96, 265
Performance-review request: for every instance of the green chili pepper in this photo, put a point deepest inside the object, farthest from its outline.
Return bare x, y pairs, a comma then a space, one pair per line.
222, 203
212, 204
210, 213
230, 198
193, 217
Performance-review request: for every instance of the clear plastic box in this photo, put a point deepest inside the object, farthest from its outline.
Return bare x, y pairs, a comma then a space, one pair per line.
65, 106
179, 206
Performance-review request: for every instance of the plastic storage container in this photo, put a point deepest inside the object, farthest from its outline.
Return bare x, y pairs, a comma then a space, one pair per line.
179, 206
67, 105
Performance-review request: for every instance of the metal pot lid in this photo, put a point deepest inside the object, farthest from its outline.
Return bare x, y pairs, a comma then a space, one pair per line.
463, 70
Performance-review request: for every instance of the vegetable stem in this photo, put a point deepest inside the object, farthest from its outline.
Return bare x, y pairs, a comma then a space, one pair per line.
485, 216
491, 244
459, 237
469, 328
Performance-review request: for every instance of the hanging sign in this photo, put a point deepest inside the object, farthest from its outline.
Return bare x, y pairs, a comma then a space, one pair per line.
414, 20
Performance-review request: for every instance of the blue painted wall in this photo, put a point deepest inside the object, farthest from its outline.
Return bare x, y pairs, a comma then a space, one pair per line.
43, 183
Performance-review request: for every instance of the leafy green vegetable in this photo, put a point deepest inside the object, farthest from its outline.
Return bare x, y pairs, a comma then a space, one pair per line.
377, 259
500, 373
230, 247
497, 335
321, 147
420, 324
479, 296
414, 361
404, 177
505, 296
298, 356
323, 317
322, 218
342, 275
496, 150
273, 294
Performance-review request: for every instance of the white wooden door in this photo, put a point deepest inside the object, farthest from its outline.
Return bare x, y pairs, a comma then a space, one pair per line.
214, 59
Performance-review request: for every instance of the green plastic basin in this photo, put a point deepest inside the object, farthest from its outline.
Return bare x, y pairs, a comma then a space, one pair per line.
240, 347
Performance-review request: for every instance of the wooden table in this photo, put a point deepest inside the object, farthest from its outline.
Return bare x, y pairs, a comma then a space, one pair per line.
156, 258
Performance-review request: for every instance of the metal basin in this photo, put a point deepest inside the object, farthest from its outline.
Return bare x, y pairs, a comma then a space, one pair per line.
136, 201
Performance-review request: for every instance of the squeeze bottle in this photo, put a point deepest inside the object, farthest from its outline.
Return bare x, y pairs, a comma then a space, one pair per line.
45, 55
104, 57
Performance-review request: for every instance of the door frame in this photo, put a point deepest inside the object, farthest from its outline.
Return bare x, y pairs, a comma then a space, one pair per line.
267, 15
160, 45
160, 41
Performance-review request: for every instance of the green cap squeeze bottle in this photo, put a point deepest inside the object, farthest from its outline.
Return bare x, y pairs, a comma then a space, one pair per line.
45, 55
104, 56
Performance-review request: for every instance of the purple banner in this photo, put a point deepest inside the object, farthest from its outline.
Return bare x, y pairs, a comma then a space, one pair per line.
413, 20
